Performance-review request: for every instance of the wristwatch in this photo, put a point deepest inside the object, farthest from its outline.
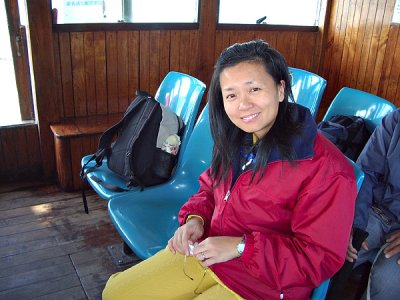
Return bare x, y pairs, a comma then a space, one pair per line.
240, 247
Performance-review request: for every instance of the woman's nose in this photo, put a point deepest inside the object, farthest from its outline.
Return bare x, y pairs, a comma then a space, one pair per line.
245, 103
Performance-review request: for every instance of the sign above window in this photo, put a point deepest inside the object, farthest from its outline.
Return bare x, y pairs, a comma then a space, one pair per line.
283, 12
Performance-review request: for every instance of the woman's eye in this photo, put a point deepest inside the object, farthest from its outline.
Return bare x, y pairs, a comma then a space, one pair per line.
230, 97
254, 89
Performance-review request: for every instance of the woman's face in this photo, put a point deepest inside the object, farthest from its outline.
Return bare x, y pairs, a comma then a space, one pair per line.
251, 97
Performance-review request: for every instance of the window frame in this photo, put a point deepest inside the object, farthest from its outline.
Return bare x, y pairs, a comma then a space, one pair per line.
272, 27
266, 27
78, 27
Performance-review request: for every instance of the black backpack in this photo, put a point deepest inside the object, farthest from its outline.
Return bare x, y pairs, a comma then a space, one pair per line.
348, 133
136, 148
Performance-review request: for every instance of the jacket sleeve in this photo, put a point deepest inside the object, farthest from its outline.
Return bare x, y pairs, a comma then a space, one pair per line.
373, 162
201, 203
312, 251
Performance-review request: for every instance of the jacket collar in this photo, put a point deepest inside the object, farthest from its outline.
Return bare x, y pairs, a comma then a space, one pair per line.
303, 143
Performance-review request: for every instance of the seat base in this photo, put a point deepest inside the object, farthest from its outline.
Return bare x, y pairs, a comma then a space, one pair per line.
119, 256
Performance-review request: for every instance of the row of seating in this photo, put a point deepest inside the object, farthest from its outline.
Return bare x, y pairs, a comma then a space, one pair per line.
146, 220
183, 94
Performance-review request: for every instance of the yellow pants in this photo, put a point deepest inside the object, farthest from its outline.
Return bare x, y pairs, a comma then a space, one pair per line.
162, 276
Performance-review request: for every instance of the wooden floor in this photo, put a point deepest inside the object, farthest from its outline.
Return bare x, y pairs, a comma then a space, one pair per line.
51, 249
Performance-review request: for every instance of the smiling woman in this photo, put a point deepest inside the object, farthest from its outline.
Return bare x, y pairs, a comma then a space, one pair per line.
264, 205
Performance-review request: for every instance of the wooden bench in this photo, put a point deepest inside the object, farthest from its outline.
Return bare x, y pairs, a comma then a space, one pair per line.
73, 139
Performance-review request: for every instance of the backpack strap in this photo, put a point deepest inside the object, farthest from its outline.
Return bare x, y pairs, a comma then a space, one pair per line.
107, 135
108, 186
83, 180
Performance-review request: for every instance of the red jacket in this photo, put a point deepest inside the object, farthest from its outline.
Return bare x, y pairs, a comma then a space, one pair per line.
297, 221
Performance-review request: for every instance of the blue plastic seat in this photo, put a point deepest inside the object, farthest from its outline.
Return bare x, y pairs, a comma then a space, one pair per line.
146, 221
307, 88
183, 94
372, 109
354, 102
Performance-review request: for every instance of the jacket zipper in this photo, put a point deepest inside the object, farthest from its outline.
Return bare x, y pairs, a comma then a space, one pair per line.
228, 193
226, 198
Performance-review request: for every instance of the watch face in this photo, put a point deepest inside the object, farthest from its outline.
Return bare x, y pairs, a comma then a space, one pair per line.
240, 247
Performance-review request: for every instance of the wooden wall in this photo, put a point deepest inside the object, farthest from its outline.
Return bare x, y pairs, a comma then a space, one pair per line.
19, 152
97, 72
362, 50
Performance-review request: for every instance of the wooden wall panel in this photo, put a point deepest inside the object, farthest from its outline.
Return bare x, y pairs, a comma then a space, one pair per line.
100, 72
10, 151
112, 71
19, 153
390, 85
383, 49
362, 50
154, 61
123, 64
165, 50
44, 65
297, 47
57, 70
133, 67
89, 73
66, 74
305, 55
175, 50
144, 61
78, 74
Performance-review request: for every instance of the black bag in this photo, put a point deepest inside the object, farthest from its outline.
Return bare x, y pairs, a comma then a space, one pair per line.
348, 133
136, 147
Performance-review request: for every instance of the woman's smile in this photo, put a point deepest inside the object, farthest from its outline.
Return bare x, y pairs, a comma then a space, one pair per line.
250, 118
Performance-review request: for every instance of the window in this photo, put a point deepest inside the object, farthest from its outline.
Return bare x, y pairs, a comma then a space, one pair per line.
15, 74
9, 113
283, 12
125, 11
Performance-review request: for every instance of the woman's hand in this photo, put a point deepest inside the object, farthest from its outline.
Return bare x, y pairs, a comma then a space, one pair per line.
394, 245
185, 235
217, 249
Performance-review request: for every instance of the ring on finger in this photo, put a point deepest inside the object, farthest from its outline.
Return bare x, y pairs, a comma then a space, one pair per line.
203, 256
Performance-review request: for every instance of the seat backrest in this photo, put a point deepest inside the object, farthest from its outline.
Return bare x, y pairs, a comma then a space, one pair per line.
198, 154
307, 89
353, 102
182, 93
359, 173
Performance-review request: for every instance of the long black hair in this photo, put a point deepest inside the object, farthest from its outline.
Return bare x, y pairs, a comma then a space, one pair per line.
228, 138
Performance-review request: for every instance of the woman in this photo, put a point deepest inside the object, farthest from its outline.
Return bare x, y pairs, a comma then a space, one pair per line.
273, 213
